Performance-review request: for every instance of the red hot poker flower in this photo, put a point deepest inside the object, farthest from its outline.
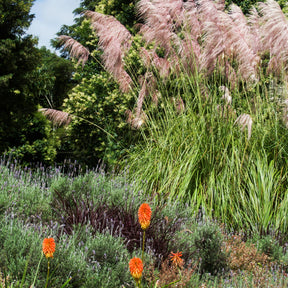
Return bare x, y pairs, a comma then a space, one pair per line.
136, 268
48, 247
176, 259
144, 215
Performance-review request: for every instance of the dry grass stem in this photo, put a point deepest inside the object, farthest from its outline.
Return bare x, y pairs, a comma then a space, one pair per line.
136, 121
57, 117
76, 49
114, 40
226, 96
245, 120
275, 35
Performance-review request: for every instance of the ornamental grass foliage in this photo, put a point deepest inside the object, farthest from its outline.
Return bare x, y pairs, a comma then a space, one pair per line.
195, 41
210, 105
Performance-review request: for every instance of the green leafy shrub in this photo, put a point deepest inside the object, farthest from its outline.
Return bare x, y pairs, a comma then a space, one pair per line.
270, 246
23, 194
97, 260
19, 244
99, 130
208, 244
38, 142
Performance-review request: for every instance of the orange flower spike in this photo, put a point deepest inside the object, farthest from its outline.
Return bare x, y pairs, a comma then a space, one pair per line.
48, 247
144, 215
176, 259
136, 268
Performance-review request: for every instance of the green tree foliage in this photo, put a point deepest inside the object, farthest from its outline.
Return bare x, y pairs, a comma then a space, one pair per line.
123, 10
245, 5
98, 130
53, 79
38, 142
18, 58
24, 132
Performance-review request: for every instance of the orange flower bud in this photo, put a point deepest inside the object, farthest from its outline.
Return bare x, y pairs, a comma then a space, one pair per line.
48, 247
176, 259
144, 215
136, 268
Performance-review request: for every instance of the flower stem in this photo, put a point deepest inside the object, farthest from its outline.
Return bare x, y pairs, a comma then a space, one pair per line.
143, 245
47, 274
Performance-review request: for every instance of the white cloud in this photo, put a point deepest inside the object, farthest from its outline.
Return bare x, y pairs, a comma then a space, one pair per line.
50, 15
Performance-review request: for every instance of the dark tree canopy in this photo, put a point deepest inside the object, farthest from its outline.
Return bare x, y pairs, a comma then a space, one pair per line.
122, 10
15, 17
53, 79
18, 58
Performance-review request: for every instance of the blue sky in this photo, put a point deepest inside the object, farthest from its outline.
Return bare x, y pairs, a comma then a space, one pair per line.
50, 15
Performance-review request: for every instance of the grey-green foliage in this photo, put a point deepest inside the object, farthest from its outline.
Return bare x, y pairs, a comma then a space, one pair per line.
208, 244
201, 243
96, 187
246, 280
109, 257
20, 190
19, 244
98, 260
271, 248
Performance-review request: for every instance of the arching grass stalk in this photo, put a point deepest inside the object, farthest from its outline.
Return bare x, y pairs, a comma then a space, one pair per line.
32, 286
